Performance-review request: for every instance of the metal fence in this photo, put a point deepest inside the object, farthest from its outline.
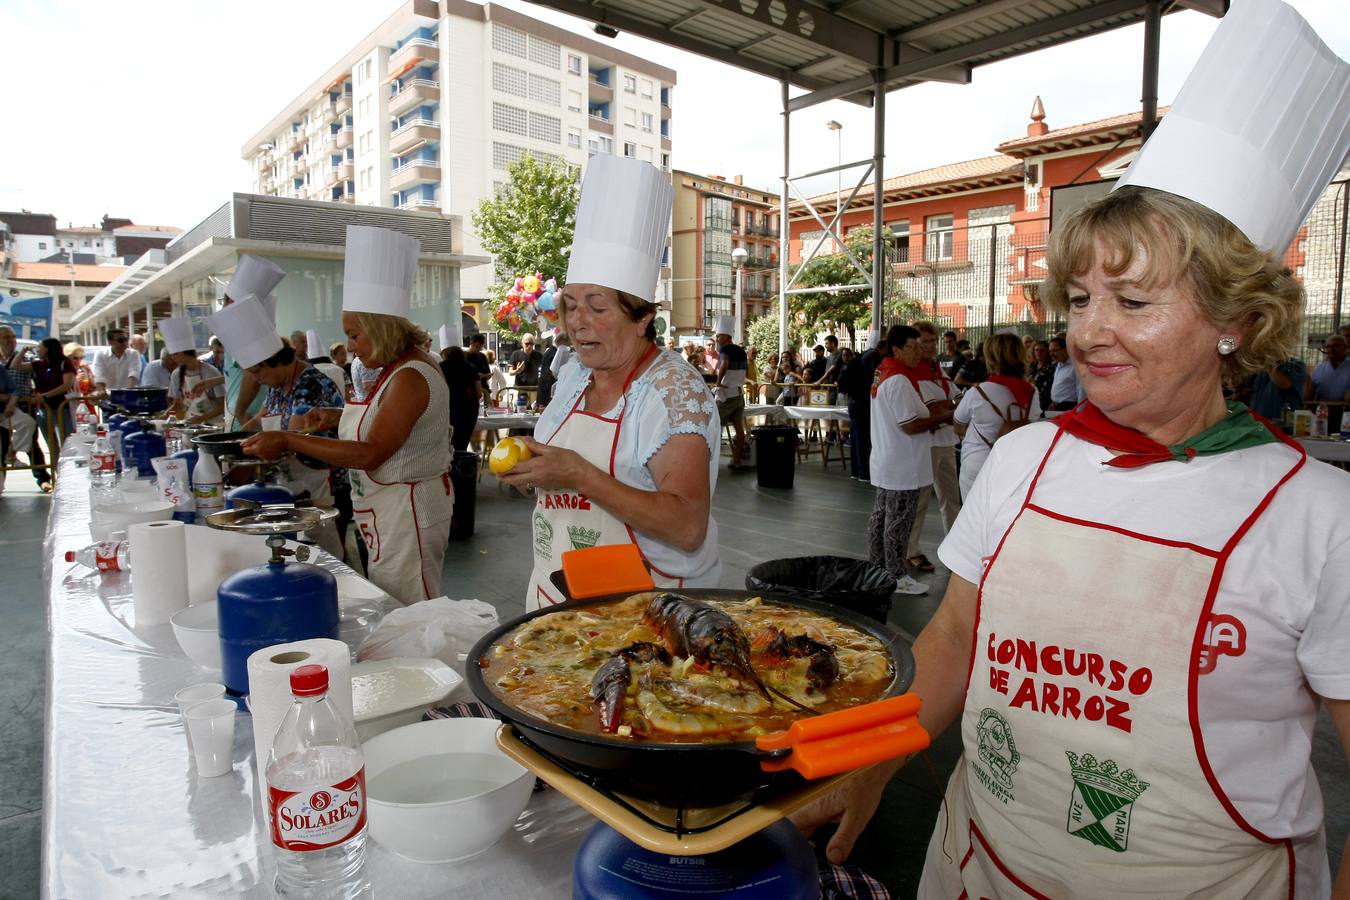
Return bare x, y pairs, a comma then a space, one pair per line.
983, 278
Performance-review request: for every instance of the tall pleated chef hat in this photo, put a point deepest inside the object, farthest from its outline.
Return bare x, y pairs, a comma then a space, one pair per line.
1259, 128
450, 335
177, 333
254, 275
247, 331
314, 345
380, 271
622, 221
725, 325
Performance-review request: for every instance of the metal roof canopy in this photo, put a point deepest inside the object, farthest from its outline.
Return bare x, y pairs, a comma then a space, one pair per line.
858, 50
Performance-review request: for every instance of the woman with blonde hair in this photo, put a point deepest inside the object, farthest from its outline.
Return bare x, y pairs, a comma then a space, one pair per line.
992, 407
1148, 609
396, 444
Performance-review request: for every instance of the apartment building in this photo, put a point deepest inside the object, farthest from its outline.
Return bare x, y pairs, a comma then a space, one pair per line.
712, 217
428, 110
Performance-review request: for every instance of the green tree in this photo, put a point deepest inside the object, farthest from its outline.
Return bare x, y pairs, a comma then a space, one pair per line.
527, 226
849, 309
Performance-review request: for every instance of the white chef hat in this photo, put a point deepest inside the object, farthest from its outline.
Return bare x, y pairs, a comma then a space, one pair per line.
247, 332
380, 272
177, 333
254, 275
450, 335
316, 347
725, 325
622, 221
1258, 129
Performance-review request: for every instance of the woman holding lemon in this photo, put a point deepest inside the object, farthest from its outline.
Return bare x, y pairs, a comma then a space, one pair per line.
396, 444
627, 450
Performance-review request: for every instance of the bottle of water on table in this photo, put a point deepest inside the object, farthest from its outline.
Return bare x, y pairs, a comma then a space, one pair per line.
316, 796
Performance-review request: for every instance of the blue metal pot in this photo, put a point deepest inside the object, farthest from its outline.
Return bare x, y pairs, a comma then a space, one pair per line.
263, 493
146, 400
272, 604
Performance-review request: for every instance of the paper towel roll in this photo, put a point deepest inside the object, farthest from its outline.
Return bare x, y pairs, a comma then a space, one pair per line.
269, 685
159, 578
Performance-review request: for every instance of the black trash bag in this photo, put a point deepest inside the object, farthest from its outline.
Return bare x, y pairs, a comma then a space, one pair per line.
854, 584
464, 479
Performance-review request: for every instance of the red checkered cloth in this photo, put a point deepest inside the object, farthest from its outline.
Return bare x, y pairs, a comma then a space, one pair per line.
850, 883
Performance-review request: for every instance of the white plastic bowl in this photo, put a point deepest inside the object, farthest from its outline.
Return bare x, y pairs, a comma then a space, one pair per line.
198, 634
441, 791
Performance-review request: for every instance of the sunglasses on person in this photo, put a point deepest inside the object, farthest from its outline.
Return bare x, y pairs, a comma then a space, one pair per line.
120, 340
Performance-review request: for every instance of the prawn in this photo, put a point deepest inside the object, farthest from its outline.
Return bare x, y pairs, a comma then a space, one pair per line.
662, 717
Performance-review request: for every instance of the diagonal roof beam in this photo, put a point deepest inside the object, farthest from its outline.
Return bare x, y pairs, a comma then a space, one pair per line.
956, 19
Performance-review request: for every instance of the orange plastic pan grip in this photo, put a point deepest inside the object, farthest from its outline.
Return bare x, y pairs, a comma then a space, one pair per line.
844, 721
845, 752
604, 570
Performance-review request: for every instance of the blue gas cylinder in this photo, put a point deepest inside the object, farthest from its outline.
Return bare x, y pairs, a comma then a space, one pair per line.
775, 864
114, 421
263, 493
130, 426
190, 457
142, 447
272, 604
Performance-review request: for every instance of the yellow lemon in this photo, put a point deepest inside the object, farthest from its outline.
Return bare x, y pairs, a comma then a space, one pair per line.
508, 452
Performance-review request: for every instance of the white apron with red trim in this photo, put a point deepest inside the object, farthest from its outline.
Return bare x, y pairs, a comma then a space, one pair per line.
1084, 772
566, 520
405, 525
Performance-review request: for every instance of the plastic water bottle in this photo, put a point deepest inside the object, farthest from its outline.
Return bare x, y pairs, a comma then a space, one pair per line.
184, 509
102, 460
1319, 427
522, 402
316, 796
106, 556
207, 494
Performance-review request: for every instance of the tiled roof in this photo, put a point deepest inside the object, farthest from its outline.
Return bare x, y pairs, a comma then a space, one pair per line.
60, 273
80, 229
985, 171
1077, 134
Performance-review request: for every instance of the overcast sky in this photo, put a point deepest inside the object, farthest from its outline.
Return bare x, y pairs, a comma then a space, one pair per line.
139, 108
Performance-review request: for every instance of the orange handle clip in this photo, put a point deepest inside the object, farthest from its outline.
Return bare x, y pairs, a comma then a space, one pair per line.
607, 569
848, 739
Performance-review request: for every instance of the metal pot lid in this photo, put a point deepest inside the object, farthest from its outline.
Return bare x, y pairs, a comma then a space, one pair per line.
279, 519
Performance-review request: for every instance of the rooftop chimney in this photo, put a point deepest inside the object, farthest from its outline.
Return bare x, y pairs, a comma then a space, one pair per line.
739, 179
1037, 127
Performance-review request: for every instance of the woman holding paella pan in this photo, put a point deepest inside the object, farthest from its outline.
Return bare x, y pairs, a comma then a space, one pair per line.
627, 449
1144, 729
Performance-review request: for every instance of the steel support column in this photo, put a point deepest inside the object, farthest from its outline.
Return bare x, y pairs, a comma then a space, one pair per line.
878, 212
783, 231
1152, 51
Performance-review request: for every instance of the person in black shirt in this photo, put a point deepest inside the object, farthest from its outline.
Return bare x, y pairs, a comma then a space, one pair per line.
856, 383
974, 371
476, 358
464, 395
525, 363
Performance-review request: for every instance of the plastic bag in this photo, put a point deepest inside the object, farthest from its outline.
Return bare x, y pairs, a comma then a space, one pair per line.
442, 629
854, 584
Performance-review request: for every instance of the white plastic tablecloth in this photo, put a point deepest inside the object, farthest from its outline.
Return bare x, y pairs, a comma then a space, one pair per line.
124, 814
1327, 450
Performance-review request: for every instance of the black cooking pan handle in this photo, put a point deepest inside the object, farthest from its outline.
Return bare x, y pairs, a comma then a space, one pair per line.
560, 583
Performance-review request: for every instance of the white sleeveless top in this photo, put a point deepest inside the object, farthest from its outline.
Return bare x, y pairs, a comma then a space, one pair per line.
426, 452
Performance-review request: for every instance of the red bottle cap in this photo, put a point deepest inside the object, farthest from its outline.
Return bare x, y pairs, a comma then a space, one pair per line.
309, 681
70, 556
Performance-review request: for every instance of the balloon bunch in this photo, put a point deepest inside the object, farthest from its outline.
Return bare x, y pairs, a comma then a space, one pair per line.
531, 301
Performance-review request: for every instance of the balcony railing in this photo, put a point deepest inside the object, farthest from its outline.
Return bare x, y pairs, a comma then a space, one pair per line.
419, 90
342, 139
421, 203
410, 133
415, 49
345, 170
416, 171
343, 104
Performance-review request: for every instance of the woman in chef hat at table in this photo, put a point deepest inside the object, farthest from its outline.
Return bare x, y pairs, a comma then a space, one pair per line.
193, 406
1144, 728
396, 444
627, 450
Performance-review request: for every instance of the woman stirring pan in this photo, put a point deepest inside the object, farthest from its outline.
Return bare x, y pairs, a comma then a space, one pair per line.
627, 451
1143, 728
396, 443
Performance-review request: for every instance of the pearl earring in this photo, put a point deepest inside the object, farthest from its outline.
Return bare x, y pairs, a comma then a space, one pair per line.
1227, 345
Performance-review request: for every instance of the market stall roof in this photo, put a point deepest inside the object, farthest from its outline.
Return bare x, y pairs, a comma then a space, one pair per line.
832, 47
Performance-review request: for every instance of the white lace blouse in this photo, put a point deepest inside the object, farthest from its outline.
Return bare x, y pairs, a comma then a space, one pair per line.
669, 398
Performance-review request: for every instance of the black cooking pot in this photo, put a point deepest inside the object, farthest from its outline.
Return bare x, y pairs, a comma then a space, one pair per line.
695, 774
223, 443
145, 400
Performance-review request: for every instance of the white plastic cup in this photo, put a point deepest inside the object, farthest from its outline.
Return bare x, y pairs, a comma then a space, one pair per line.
211, 726
271, 423
193, 694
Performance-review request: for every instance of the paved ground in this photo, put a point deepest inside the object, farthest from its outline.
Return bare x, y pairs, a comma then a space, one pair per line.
825, 513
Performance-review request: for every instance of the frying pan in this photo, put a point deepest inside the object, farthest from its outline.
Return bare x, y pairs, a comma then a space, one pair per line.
695, 774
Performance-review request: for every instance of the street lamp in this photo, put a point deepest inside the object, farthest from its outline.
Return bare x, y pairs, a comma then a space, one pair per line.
838, 130
738, 257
